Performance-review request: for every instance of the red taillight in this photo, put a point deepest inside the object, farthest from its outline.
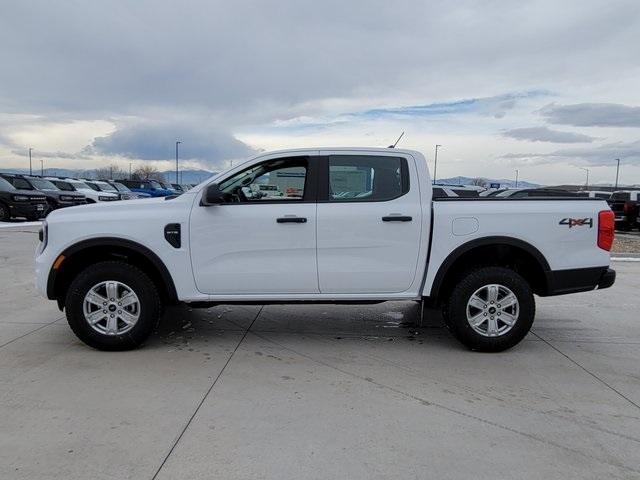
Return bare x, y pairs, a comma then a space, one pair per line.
606, 229
628, 208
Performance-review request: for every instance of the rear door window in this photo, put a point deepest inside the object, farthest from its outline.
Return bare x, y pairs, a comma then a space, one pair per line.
367, 178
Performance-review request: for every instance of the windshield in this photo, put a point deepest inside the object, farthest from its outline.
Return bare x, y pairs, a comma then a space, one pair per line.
65, 186
81, 185
42, 184
106, 187
155, 184
4, 185
120, 187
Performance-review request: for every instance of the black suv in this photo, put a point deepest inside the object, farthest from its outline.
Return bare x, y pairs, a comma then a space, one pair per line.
56, 198
20, 203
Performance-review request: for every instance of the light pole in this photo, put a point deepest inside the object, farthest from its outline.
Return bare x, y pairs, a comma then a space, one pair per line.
517, 172
617, 172
177, 143
435, 164
41, 168
30, 172
129, 170
586, 170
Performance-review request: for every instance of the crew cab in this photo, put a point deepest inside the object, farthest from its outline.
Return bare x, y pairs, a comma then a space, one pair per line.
56, 198
352, 225
20, 203
625, 206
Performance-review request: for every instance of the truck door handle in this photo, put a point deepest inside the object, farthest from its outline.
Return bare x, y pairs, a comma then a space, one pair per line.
397, 218
291, 220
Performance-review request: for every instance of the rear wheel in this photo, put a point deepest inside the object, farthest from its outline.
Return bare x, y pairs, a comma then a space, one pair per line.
112, 306
491, 309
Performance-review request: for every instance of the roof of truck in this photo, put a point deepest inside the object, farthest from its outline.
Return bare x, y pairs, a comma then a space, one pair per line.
333, 149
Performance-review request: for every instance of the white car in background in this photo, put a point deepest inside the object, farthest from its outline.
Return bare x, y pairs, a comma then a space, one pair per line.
104, 186
73, 185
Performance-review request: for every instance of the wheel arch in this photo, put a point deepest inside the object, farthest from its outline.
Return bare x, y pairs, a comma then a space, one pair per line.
87, 252
510, 252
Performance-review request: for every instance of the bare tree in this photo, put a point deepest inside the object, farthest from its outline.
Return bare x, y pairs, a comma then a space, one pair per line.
147, 172
112, 172
479, 182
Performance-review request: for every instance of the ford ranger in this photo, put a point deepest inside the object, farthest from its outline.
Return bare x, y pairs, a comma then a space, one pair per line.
351, 225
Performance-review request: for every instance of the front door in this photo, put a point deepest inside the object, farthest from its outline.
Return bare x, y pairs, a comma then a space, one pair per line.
262, 240
369, 224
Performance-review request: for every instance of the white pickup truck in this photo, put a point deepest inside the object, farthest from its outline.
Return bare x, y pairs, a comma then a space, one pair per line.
353, 225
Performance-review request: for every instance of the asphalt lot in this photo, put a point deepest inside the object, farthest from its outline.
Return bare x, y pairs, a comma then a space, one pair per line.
285, 392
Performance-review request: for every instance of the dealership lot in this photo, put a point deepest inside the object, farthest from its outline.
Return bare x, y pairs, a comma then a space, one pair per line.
318, 391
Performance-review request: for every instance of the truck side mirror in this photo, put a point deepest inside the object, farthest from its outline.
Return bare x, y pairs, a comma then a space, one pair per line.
212, 195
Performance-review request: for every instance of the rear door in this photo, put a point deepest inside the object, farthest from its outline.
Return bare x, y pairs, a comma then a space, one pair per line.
369, 223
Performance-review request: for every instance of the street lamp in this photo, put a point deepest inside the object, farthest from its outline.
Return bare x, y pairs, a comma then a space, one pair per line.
30, 172
517, 172
617, 172
586, 170
41, 167
435, 164
177, 143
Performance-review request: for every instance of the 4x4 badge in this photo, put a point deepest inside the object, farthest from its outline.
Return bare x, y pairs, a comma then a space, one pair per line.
577, 222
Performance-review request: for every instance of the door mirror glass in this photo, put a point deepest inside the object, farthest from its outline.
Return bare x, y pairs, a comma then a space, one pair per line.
212, 195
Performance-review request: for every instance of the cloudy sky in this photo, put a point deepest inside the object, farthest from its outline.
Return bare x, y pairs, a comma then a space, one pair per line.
545, 87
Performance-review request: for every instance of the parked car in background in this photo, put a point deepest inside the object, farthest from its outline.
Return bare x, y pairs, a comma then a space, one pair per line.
73, 185
150, 187
180, 187
602, 195
492, 192
20, 203
169, 186
624, 204
454, 191
536, 192
124, 191
56, 198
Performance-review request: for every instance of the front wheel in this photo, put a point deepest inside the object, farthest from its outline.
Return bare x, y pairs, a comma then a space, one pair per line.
5, 214
112, 306
491, 309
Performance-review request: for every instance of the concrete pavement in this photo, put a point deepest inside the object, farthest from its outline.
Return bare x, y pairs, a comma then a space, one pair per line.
290, 392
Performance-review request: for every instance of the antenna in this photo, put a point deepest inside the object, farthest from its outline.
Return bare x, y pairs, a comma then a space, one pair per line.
394, 145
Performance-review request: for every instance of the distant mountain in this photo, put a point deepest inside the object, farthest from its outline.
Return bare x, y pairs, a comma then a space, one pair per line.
197, 176
188, 176
504, 183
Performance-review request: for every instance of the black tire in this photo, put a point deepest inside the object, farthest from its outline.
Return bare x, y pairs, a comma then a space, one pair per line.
133, 277
5, 214
455, 310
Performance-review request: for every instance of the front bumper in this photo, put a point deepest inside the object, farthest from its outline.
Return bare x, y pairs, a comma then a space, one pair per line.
26, 209
561, 282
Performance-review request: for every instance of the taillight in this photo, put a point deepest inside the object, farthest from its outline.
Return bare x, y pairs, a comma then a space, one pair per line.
628, 208
606, 229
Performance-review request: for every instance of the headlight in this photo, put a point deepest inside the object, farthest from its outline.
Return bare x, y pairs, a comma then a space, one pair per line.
68, 198
104, 199
20, 198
